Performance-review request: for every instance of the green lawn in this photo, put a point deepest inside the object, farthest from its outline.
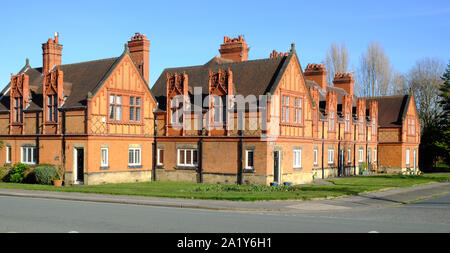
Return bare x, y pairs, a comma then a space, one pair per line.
340, 187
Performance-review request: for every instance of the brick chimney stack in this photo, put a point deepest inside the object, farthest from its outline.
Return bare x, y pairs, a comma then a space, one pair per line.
51, 52
344, 81
234, 49
139, 47
318, 74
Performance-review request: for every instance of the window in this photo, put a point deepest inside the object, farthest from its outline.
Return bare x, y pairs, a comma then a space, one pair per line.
330, 156
135, 109
29, 155
115, 107
187, 157
349, 155
8, 154
297, 158
298, 111
369, 155
361, 124
18, 110
374, 126
285, 109
249, 159
331, 122
220, 112
177, 112
347, 122
411, 129
52, 106
407, 157
134, 156
104, 157
374, 155
160, 158
361, 155
315, 156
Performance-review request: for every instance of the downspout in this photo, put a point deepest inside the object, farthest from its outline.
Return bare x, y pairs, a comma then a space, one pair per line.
354, 149
63, 142
323, 136
339, 150
241, 157
200, 160
155, 149
37, 137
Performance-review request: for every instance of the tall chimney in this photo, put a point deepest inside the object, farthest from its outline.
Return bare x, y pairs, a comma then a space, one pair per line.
234, 49
51, 52
318, 74
344, 81
139, 47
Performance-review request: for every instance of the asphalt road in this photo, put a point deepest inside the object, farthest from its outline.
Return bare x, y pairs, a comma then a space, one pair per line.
21, 214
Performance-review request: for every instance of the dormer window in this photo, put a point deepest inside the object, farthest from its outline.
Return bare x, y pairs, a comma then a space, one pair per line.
347, 122
220, 112
18, 110
331, 121
52, 108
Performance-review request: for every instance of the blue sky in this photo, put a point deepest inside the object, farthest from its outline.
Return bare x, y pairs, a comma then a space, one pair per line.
186, 33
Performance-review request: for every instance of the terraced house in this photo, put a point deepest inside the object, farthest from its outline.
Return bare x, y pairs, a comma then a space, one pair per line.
94, 119
230, 120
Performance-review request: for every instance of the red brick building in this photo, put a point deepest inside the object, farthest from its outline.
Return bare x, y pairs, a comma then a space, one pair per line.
94, 119
230, 120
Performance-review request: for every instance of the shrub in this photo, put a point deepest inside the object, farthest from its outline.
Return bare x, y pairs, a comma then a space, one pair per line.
17, 173
4, 172
44, 173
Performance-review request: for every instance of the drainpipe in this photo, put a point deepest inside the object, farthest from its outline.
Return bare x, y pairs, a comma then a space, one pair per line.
354, 150
200, 160
155, 147
339, 149
241, 158
37, 137
323, 136
63, 142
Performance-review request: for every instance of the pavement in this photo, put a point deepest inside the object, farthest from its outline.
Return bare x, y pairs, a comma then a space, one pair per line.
376, 199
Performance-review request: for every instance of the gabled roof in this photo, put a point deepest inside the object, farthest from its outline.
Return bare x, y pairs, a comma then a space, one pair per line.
391, 109
254, 77
79, 79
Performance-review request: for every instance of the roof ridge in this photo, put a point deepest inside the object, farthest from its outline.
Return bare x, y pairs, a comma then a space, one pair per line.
91, 61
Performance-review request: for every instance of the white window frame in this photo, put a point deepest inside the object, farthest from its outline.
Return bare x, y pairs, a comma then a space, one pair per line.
361, 155
316, 151
25, 151
247, 152
158, 159
349, 155
407, 157
297, 158
8, 154
135, 160
102, 161
330, 155
184, 163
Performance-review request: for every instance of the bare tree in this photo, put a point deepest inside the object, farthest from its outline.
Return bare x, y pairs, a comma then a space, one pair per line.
336, 60
375, 72
399, 84
424, 80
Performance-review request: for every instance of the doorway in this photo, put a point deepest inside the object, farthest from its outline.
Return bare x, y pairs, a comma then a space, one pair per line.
276, 166
79, 165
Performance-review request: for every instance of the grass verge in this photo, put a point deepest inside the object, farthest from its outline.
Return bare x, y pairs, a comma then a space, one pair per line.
340, 187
